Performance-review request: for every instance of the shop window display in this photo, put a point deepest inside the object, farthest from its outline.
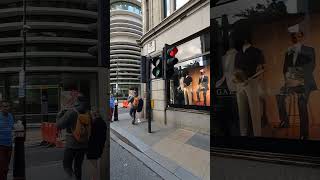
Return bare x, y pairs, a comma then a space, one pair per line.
269, 78
191, 84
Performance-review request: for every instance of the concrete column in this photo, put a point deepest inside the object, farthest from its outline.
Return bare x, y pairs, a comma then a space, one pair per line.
145, 15
103, 104
172, 6
103, 91
159, 97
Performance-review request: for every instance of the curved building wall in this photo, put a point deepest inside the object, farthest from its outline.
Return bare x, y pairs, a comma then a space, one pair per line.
57, 51
125, 29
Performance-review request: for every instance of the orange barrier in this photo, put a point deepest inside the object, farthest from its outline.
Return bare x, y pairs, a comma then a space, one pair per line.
125, 104
45, 132
51, 135
59, 143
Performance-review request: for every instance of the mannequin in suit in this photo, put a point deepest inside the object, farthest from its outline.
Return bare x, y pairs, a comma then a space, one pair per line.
203, 86
249, 61
298, 70
187, 89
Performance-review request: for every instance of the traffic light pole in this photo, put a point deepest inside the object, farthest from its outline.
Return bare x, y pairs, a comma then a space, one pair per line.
148, 65
19, 170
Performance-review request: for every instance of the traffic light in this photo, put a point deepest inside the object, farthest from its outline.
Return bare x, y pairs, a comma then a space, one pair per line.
157, 70
169, 60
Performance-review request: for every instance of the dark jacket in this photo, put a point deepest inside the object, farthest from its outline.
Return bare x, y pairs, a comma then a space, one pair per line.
306, 60
204, 82
249, 60
97, 139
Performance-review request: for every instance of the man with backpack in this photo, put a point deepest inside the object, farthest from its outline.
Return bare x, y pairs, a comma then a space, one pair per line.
77, 122
136, 106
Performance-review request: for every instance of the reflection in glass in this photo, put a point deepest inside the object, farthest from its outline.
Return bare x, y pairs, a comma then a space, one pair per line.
126, 6
273, 70
180, 3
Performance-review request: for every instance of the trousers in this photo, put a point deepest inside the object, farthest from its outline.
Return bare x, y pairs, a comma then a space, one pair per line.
5, 157
248, 100
204, 92
302, 105
187, 91
72, 162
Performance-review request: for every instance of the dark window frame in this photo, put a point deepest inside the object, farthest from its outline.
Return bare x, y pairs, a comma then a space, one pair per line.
167, 83
288, 151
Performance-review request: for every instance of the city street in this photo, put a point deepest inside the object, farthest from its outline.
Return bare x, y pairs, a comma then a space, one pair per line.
46, 163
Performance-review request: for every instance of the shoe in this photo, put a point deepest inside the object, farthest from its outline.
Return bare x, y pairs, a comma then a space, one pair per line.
132, 122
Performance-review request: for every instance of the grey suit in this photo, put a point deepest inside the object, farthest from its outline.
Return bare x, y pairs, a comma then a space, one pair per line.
203, 86
305, 60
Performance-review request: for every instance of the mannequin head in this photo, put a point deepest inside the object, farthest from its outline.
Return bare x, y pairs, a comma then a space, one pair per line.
297, 37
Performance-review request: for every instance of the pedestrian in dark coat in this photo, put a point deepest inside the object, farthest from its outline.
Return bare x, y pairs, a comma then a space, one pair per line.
96, 142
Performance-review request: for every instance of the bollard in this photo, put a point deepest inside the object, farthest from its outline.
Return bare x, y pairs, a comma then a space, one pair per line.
115, 113
43, 142
19, 152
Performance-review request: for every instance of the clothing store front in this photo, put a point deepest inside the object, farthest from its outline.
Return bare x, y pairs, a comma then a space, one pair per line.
183, 101
190, 86
188, 91
266, 57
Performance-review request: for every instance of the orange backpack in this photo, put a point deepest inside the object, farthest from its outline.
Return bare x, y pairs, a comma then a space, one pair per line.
135, 102
82, 129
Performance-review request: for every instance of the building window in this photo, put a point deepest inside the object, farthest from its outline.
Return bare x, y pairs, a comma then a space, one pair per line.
180, 3
166, 9
264, 65
126, 6
190, 86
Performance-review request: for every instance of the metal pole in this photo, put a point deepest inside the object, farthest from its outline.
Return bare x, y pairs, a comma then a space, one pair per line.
19, 149
115, 118
104, 79
117, 79
148, 70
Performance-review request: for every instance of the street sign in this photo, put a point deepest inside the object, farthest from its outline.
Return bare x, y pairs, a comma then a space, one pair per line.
151, 46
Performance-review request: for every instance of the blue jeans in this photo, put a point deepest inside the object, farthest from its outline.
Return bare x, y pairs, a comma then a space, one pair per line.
133, 112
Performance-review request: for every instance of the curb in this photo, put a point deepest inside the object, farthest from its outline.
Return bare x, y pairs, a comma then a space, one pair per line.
161, 165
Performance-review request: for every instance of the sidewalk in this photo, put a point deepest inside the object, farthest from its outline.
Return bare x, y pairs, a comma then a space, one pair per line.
171, 148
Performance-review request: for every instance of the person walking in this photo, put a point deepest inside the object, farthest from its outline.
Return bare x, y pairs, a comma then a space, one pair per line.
134, 107
6, 129
112, 106
130, 101
96, 142
77, 123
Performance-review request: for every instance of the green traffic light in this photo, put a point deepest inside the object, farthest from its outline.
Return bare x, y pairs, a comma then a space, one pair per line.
157, 70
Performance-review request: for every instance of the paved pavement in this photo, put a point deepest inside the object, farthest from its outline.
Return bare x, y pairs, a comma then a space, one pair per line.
170, 147
46, 163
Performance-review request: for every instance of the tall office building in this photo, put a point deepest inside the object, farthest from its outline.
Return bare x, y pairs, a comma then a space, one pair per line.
125, 29
57, 57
